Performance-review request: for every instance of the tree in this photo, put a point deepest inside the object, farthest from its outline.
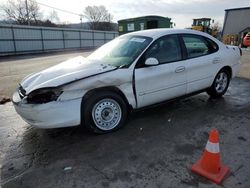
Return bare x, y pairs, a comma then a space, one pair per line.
53, 16
22, 12
99, 17
216, 29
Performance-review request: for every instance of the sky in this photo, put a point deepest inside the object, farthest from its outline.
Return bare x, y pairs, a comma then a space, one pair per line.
180, 11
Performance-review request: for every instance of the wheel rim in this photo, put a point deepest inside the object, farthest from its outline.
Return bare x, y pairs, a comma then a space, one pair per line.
106, 114
221, 82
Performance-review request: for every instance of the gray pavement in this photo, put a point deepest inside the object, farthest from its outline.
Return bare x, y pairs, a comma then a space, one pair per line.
156, 148
13, 69
245, 65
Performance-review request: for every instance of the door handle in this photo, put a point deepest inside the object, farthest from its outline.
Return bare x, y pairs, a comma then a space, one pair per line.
180, 69
216, 60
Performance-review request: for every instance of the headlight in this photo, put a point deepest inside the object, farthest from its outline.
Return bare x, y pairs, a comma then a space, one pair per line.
44, 95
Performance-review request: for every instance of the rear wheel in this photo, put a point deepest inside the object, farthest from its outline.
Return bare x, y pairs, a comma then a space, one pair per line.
220, 84
104, 112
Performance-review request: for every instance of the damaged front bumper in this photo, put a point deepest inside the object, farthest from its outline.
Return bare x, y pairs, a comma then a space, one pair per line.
53, 114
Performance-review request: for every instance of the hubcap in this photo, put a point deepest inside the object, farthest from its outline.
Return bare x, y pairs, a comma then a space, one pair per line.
221, 82
106, 114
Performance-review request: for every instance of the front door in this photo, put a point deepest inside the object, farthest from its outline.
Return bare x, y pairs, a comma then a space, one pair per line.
164, 81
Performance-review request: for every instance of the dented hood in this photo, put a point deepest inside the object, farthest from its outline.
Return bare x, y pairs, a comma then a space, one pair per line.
63, 73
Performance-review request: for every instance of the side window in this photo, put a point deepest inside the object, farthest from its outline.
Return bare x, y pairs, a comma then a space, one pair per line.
213, 47
165, 50
198, 46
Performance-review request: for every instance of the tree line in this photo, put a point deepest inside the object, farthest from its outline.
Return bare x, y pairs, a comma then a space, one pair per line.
28, 12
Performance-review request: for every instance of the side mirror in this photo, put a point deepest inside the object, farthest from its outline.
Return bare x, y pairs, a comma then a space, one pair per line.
151, 61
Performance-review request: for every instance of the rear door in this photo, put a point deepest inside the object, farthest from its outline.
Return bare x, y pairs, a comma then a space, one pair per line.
203, 61
164, 81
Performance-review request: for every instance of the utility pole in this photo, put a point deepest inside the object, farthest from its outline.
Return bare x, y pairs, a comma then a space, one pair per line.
81, 19
27, 12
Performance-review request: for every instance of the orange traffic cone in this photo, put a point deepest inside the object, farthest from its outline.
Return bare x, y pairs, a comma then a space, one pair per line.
209, 165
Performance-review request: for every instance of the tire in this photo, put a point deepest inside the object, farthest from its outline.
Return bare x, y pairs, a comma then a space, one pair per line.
104, 112
243, 46
220, 84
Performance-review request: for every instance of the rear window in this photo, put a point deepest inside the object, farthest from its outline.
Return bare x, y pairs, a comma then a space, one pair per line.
199, 46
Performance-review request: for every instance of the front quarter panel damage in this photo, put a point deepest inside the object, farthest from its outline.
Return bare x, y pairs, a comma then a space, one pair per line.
120, 78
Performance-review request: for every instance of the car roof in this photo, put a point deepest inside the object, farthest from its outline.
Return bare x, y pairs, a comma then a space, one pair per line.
156, 33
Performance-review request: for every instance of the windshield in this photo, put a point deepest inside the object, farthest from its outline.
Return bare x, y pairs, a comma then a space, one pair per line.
121, 51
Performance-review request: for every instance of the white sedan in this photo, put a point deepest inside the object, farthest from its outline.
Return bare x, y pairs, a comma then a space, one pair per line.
130, 72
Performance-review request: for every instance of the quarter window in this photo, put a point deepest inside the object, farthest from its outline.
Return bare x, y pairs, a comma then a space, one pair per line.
198, 46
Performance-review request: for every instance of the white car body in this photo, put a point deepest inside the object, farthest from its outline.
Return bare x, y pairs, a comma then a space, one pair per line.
140, 87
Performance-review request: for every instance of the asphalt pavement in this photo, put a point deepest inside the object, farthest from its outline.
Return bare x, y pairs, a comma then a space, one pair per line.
14, 68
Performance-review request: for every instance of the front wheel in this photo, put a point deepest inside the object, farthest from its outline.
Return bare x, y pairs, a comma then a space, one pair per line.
220, 84
105, 112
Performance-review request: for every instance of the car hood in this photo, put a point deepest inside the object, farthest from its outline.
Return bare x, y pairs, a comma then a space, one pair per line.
63, 73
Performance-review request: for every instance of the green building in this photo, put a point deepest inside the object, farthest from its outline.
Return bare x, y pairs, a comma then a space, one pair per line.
145, 22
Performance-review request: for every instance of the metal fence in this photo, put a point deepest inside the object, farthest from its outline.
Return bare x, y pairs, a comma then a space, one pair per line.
17, 39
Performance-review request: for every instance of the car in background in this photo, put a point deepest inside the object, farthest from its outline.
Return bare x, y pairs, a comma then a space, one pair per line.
246, 40
133, 71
